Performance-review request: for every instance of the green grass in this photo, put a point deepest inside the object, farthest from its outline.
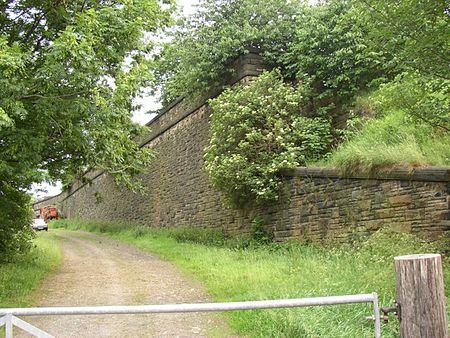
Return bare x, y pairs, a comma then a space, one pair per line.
393, 140
288, 270
20, 278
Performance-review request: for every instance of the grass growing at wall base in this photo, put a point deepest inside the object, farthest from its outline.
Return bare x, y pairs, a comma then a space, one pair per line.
234, 272
19, 279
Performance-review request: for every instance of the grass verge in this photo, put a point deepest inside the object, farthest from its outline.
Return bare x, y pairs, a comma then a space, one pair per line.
20, 278
390, 141
234, 272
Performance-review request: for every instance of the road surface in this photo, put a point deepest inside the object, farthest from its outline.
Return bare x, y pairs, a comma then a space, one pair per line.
97, 270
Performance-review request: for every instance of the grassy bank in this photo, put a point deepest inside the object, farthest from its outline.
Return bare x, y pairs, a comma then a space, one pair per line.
239, 270
390, 141
20, 278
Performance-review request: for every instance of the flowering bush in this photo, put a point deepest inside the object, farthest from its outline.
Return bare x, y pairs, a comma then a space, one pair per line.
257, 130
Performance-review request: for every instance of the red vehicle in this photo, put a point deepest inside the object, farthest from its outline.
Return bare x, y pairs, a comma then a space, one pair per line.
49, 212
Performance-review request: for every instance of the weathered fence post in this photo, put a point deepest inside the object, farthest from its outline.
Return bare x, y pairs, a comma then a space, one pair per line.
421, 297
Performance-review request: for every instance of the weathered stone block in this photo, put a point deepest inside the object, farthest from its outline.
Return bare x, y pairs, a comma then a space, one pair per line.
365, 205
383, 213
400, 200
401, 227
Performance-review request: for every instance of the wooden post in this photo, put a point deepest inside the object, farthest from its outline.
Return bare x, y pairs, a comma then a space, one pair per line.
421, 297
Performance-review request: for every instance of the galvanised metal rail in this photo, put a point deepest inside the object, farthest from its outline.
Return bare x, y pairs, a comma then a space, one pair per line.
8, 316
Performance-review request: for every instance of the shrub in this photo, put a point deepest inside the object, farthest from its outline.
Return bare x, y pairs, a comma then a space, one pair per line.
197, 58
259, 232
425, 99
256, 130
15, 216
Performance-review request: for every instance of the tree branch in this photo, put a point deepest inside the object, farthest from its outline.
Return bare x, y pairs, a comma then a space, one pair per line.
63, 96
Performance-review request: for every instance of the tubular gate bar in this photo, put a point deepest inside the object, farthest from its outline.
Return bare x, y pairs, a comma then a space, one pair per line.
8, 315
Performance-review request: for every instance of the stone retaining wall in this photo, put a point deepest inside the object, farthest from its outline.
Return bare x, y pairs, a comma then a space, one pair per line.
325, 206
319, 204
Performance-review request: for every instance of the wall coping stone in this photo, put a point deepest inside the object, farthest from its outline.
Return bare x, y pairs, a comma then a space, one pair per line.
165, 109
426, 174
242, 72
46, 198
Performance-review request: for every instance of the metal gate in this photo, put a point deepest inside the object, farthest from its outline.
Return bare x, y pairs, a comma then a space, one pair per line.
8, 316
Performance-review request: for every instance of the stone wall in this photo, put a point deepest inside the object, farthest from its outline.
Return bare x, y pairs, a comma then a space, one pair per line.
322, 205
317, 203
179, 193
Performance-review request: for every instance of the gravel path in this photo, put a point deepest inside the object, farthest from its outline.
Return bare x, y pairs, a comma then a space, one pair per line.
97, 270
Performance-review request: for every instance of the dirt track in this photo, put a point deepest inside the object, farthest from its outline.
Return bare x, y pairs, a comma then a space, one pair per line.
99, 271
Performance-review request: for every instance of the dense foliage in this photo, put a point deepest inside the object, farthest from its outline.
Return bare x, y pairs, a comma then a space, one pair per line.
415, 33
15, 229
69, 73
394, 54
412, 111
320, 46
203, 46
329, 52
338, 49
423, 98
257, 129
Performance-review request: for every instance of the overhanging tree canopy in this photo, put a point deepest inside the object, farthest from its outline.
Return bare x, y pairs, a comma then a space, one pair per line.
69, 71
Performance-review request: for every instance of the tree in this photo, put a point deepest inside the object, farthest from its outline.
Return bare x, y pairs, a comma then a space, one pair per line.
319, 46
69, 73
199, 55
329, 52
415, 32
